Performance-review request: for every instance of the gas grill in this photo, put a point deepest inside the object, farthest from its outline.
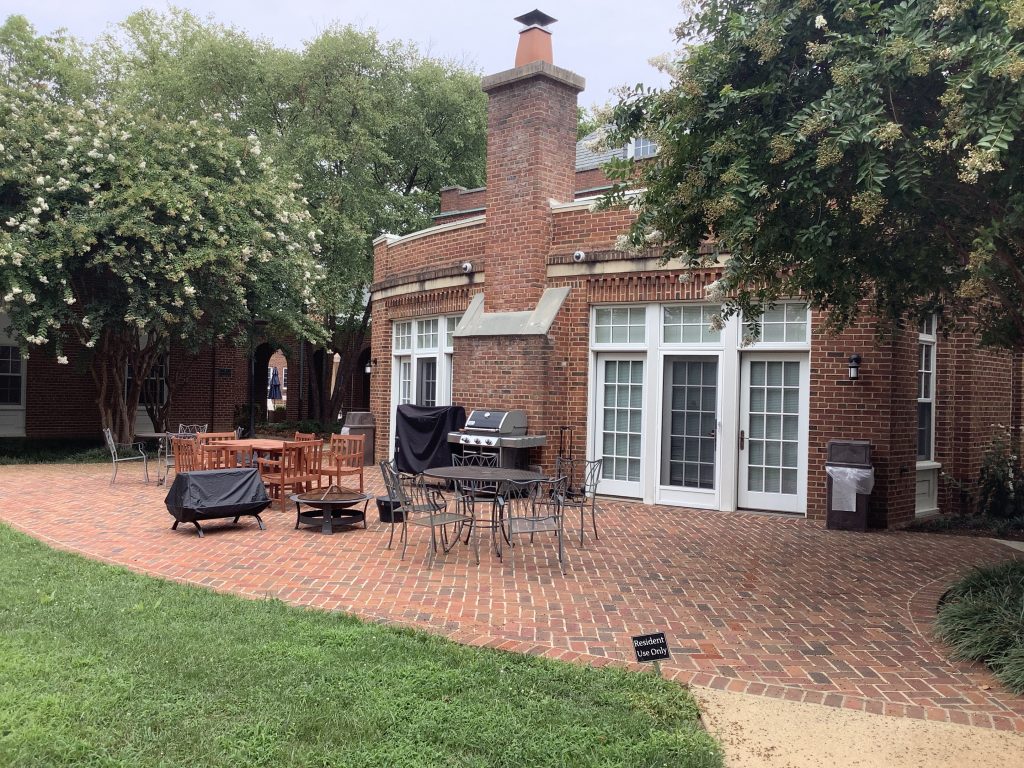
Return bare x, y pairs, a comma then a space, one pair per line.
501, 432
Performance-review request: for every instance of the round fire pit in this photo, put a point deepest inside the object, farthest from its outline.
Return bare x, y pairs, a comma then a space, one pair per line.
329, 507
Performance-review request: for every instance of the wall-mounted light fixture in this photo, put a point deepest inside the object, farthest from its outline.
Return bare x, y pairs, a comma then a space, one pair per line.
370, 365
854, 364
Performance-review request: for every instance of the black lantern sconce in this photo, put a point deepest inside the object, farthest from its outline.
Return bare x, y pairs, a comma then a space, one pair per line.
854, 364
370, 365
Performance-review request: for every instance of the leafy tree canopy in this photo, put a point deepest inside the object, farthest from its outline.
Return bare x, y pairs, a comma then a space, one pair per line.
863, 154
129, 230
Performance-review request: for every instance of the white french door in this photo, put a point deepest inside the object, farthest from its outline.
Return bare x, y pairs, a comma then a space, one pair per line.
619, 415
774, 394
690, 466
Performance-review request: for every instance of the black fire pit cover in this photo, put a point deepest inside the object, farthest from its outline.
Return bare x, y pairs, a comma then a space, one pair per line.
216, 493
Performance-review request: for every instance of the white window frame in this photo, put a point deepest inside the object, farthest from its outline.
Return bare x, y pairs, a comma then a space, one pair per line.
926, 498
768, 346
12, 415
634, 310
927, 342
641, 147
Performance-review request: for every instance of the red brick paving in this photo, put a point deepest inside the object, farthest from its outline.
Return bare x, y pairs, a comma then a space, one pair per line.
758, 604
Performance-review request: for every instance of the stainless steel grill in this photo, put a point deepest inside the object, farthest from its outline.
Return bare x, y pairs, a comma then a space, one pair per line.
490, 430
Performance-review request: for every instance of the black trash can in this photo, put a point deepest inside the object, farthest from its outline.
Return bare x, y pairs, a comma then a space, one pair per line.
848, 506
388, 512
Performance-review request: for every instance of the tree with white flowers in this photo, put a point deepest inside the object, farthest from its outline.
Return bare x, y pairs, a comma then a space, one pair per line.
129, 231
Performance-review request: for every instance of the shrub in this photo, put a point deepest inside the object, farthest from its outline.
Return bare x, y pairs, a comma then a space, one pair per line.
1000, 491
982, 619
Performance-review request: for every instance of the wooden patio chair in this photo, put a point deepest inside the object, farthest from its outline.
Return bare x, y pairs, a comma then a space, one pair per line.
186, 454
344, 458
218, 456
205, 438
302, 437
298, 469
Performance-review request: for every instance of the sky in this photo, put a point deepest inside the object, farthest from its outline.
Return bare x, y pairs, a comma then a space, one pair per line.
608, 42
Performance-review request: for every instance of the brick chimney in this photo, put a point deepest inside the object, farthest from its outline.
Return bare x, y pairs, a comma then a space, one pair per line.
531, 159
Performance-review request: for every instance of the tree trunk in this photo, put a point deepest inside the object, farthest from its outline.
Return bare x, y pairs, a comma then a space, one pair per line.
117, 398
348, 357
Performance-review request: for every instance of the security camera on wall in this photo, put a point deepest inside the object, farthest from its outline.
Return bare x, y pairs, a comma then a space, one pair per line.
579, 256
467, 267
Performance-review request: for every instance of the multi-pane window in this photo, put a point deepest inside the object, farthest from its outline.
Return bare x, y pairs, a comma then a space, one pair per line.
426, 334
620, 325
784, 323
622, 413
926, 338
11, 371
154, 388
692, 422
644, 148
773, 459
422, 350
403, 336
690, 324
404, 381
284, 378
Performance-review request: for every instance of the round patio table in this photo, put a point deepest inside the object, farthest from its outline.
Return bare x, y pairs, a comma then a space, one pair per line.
330, 507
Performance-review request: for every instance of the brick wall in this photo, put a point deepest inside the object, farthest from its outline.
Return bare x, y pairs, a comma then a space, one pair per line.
442, 249
531, 155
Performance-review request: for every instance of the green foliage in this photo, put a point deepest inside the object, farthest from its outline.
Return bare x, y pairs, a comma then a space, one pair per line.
20, 450
982, 619
323, 428
974, 525
99, 666
1000, 491
864, 154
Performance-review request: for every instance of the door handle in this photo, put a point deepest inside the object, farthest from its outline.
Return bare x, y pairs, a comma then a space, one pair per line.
742, 438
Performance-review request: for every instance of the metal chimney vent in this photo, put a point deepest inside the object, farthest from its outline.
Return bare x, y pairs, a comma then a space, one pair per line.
535, 18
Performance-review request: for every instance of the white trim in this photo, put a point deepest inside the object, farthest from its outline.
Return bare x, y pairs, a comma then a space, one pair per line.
384, 237
557, 206
437, 229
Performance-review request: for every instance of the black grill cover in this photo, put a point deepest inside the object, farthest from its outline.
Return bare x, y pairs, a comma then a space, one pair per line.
422, 436
216, 493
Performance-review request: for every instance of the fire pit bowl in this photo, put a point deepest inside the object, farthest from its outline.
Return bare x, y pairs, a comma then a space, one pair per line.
330, 507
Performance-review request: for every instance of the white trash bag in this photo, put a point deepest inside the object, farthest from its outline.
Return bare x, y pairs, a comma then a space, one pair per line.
847, 482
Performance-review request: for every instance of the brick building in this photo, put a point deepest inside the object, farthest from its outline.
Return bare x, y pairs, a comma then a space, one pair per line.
41, 399
518, 298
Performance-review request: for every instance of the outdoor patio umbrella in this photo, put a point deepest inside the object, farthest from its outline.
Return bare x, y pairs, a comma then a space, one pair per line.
274, 390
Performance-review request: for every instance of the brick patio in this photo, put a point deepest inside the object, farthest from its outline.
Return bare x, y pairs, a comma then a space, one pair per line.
757, 604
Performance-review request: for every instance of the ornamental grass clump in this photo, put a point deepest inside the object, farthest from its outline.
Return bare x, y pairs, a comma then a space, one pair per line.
982, 619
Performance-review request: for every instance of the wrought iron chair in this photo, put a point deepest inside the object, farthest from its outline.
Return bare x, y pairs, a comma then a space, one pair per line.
344, 457
122, 452
581, 492
426, 507
469, 493
191, 429
531, 507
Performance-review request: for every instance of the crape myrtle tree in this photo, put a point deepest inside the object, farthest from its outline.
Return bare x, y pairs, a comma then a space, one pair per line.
375, 129
862, 154
128, 231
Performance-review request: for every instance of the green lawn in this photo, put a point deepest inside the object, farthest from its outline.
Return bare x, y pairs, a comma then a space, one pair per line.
102, 667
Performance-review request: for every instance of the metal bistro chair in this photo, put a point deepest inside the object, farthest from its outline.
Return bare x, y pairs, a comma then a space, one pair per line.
469, 493
121, 452
191, 429
426, 507
529, 507
581, 491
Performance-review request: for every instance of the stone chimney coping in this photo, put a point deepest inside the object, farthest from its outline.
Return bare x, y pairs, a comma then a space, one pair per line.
533, 69
536, 322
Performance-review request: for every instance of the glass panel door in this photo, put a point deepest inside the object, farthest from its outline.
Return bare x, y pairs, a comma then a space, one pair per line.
691, 418
773, 437
619, 412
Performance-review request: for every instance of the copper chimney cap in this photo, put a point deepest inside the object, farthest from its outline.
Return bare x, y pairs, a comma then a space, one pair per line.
534, 40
